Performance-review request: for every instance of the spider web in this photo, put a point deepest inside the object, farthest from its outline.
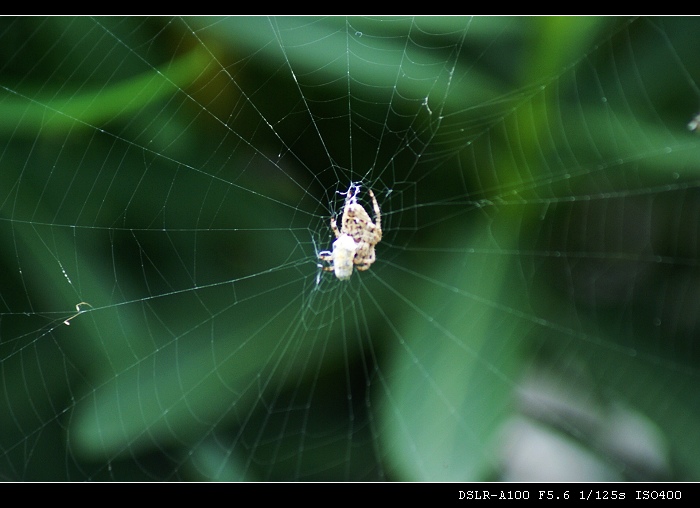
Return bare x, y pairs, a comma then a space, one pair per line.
166, 185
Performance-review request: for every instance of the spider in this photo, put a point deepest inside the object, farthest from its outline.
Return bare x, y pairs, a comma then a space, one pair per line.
355, 242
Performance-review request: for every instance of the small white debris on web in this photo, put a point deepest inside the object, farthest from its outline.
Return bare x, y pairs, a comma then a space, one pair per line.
77, 307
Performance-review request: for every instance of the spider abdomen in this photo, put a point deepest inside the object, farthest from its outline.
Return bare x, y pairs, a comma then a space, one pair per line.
344, 249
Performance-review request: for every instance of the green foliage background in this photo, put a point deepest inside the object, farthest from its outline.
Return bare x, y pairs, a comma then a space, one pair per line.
135, 162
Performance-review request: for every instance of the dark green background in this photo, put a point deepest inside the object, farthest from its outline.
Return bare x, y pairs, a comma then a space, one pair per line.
539, 259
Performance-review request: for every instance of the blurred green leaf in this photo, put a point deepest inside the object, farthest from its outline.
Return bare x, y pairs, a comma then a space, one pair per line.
53, 113
450, 380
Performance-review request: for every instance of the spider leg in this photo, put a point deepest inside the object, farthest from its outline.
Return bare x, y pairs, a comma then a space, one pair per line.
326, 256
351, 197
334, 227
377, 212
